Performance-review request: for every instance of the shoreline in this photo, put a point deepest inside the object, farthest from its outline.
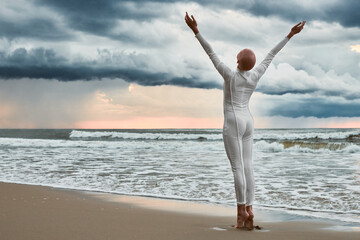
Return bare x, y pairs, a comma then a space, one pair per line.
40, 212
268, 214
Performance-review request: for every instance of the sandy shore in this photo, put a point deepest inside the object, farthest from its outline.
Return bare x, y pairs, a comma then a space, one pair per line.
36, 212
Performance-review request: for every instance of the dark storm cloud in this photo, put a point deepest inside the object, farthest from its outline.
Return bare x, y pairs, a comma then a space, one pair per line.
319, 108
346, 13
34, 57
107, 18
90, 16
343, 12
271, 90
44, 64
39, 28
99, 17
71, 73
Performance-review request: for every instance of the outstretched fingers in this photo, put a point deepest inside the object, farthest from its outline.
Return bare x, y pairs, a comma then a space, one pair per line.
297, 24
298, 27
188, 17
190, 20
193, 19
300, 24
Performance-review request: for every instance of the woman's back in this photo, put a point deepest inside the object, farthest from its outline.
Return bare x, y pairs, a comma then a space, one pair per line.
239, 85
238, 90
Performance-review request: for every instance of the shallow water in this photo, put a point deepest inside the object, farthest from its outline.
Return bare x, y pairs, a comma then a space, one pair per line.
311, 172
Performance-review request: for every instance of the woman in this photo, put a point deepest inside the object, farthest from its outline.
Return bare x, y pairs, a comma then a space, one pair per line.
238, 122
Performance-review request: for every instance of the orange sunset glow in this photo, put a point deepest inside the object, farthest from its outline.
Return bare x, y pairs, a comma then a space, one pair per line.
152, 123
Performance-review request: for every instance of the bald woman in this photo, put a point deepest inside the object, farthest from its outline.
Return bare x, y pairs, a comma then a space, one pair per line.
238, 129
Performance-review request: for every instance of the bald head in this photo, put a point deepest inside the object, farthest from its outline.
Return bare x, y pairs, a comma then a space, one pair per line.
246, 59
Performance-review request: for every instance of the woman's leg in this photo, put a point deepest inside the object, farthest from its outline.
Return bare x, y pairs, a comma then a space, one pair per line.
234, 150
235, 156
249, 175
248, 169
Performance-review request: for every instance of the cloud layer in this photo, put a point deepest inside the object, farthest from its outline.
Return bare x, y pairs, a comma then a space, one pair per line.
148, 43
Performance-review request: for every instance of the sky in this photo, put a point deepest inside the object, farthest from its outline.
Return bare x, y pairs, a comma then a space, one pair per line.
136, 64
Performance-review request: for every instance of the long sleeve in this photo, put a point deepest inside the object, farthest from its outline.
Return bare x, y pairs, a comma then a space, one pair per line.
261, 68
224, 71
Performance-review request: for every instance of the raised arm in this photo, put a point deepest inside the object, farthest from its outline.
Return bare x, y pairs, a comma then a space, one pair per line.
224, 71
261, 68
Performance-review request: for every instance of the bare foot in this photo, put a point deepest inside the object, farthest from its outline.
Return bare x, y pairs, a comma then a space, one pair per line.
241, 219
249, 223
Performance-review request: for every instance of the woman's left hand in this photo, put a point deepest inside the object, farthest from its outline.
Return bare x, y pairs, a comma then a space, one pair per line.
191, 22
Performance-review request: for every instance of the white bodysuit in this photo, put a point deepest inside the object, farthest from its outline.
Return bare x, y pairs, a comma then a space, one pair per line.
238, 122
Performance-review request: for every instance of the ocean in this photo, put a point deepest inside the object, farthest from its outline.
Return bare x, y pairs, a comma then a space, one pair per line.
309, 172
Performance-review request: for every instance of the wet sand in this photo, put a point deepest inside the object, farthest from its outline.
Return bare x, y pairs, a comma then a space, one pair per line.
37, 212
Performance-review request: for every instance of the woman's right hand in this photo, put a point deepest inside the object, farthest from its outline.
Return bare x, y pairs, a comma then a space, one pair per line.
296, 29
191, 22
